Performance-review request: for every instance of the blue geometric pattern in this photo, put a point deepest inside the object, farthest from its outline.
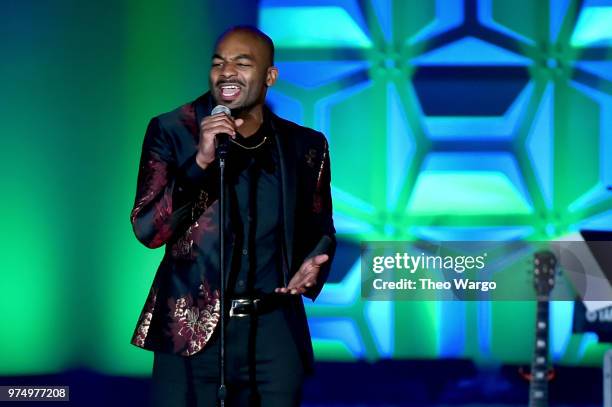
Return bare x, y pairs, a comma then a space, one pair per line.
319, 73
471, 51
540, 145
594, 24
450, 120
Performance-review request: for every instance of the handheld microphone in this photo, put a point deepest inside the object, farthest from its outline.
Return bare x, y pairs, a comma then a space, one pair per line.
221, 139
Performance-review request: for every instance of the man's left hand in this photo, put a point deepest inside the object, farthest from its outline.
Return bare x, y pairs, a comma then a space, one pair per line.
306, 277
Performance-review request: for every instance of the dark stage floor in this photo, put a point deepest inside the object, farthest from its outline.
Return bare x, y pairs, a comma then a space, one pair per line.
383, 384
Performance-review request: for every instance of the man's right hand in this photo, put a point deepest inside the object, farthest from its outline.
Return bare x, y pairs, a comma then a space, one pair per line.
210, 126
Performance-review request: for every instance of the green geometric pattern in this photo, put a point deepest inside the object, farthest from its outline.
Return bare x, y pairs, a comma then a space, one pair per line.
450, 120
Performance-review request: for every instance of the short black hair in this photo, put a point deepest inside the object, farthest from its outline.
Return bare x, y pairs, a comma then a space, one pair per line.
262, 36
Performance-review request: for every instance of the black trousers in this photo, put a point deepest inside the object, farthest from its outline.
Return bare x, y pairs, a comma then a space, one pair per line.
263, 368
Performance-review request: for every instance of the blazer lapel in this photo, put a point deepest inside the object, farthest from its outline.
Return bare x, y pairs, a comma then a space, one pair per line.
287, 153
203, 107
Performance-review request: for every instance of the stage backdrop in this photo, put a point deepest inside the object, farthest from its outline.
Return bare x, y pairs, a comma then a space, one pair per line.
447, 120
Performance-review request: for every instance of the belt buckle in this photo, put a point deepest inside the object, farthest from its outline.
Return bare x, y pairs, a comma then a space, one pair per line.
238, 302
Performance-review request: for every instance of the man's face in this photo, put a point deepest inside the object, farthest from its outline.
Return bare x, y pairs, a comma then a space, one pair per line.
240, 71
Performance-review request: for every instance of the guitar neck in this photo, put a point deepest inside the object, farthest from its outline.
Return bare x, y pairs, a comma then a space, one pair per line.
538, 388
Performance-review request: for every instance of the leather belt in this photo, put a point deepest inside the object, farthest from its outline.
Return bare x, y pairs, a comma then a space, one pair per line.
245, 306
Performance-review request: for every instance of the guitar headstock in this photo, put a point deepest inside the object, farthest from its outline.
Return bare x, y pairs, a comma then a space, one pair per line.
544, 265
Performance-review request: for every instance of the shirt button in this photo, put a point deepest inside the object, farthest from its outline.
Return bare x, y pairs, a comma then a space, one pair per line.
245, 251
241, 283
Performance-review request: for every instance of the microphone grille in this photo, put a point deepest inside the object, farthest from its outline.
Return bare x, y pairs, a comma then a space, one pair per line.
221, 109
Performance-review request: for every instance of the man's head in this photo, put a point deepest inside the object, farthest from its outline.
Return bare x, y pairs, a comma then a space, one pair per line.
242, 68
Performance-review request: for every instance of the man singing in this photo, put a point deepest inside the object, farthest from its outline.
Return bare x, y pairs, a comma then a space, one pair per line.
279, 237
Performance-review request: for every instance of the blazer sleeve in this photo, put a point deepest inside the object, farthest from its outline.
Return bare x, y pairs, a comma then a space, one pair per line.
324, 223
169, 196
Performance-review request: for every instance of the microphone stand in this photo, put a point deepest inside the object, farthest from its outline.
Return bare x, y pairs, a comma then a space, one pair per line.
222, 153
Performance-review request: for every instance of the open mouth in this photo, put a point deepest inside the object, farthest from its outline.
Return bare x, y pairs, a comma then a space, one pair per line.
229, 91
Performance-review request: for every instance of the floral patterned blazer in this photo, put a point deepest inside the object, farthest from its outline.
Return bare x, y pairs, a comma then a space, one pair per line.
177, 206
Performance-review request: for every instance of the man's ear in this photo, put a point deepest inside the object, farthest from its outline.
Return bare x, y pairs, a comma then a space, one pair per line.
271, 76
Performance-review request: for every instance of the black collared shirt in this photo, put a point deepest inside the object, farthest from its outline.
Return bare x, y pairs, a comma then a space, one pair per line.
255, 190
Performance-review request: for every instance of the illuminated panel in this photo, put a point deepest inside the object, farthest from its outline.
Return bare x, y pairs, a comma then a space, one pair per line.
514, 19
468, 90
348, 225
486, 183
583, 147
557, 8
331, 349
601, 221
480, 128
594, 27
351, 214
466, 192
349, 136
452, 331
285, 106
498, 108
470, 53
312, 27
478, 233
597, 68
380, 317
560, 327
473, 52
320, 73
448, 15
341, 332
384, 13
484, 323
400, 147
540, 146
